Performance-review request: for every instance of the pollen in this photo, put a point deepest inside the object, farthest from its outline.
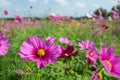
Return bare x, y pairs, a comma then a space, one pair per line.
66, 54
41, 52
99, 75
91, 54
86, 46
109, 63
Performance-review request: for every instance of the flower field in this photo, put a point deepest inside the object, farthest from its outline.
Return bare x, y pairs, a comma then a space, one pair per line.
55, 40
52, 50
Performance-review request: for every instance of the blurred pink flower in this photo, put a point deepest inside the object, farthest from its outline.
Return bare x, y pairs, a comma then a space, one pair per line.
83, 45
96, 75
65, 41
115, 14
18, 19
4, 45
26, 21
100, 12
5, 12
92, 54
101, 18
110, 62
40, 51
54, 17
104, 26
95, 18
52, 39
118, 1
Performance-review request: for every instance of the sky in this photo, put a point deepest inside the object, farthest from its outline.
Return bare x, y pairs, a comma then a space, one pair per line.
42, 8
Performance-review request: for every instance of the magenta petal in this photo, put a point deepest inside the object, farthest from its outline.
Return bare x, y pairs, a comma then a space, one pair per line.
4, 45
33, 41
115, 60
110, 53
42, 63
70, 49
106, 66
49, 43
116, 71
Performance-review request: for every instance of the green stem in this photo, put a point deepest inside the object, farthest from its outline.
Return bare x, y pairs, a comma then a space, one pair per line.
84, 73
38, 75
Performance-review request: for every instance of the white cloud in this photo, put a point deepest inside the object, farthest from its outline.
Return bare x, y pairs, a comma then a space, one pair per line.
4, 3
32, 1
80, 4
62, 2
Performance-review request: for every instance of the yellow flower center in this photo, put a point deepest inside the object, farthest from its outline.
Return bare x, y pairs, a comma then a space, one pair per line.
109, 63
66, 54
41, 52
86, 46
91, 54
99, 75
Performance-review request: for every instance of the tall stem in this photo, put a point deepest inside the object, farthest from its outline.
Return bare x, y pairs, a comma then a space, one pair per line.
85, 71
38, 75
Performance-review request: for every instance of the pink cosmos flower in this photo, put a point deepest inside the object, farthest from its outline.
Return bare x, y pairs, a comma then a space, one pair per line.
86, 45
4, 45
92, 54
115, 14
51, 38
18, 19
95, 18
110, 62
54, 17
68, 52
65, 41
96, 75
5, 12
40, 51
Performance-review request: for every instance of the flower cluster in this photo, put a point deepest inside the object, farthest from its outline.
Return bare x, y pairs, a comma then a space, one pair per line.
45, 51
106, 56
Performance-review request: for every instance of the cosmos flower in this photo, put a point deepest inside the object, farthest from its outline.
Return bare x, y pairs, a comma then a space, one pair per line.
40, 51
18, 19
51, 38
86, 45
68, 52
5, 12
110, 62
4, 44
115, 14
104, 26
95, 18
65, 41
96, 75
92, 54
54, 17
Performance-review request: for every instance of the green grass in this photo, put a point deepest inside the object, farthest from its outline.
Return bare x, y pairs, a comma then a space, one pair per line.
70, 69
